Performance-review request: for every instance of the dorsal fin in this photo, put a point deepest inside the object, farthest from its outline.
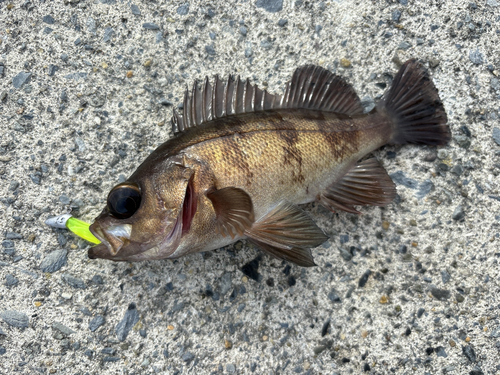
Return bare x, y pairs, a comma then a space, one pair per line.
311, 87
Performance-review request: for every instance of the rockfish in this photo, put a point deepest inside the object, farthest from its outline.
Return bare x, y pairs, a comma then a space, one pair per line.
243, 160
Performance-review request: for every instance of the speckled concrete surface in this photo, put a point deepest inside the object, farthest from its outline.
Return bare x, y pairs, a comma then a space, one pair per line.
87, 90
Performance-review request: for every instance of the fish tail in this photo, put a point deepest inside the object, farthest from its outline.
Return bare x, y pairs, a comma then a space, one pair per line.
413, 105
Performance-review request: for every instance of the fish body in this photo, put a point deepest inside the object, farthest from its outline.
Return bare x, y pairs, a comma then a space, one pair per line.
244, 159
273, 156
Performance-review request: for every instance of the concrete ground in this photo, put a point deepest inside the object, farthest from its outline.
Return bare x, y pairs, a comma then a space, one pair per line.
87, 89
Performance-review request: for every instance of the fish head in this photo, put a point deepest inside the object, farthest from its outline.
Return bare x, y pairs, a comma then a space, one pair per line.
146, 216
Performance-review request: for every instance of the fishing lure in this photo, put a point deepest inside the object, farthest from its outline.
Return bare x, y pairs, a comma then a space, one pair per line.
78, 227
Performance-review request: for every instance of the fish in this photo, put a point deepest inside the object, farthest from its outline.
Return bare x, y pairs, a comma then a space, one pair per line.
242, 161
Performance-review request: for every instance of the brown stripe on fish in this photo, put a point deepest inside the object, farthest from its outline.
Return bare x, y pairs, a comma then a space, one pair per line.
229, 125
278, 122
235, 157
340, 143
292, 156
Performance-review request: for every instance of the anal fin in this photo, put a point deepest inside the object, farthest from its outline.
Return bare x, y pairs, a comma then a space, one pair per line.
299, 256
287, 233
367, 184
234, 210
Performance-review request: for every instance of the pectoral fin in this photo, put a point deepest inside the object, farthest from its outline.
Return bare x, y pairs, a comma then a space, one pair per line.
366, 184
287, 233
234, 210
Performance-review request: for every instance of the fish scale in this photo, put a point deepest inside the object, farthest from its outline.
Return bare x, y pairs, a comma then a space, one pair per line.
319, 154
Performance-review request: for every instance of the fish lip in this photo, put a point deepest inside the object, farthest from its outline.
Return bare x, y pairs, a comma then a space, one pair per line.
91, 253
98, 233
100, 250
113, 242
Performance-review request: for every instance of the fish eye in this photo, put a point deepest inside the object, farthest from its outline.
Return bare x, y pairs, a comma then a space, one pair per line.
124, 200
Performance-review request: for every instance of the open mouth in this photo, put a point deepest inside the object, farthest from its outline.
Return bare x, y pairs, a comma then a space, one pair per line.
188, 207
111, 240
96, 230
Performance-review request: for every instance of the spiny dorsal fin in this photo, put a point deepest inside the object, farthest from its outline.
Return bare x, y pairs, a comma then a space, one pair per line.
311, 87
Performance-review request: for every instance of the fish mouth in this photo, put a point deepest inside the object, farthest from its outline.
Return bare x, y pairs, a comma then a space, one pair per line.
137, 252
99, 251
109, 246
115, 238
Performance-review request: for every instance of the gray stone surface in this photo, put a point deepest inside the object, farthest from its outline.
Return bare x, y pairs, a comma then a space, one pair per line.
54, 261
62, 328
496, 135
73, 281
135, 9
15, 318
96, 322
476, 57
129, 320
150, 26
20, 79
84, 103
183, 9
271, 6
11, 280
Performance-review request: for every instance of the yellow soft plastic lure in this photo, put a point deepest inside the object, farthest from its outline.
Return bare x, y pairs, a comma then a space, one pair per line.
78, 227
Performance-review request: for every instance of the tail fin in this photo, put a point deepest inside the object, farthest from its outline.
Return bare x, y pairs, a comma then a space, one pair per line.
414, 106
